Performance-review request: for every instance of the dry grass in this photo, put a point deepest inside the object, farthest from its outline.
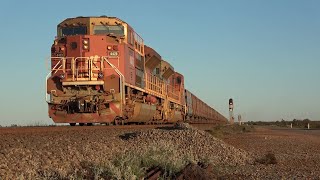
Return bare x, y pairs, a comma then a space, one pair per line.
222, 130
132, 165
129, 165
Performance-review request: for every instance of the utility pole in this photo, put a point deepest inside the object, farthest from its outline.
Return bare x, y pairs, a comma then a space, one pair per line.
231, 111
239, 119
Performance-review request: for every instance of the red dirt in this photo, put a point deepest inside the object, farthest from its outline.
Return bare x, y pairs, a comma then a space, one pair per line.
28, 150
297, 152
35, 150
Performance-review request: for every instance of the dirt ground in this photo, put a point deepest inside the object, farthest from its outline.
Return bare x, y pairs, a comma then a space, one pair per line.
32, 151
35, 150
297, 152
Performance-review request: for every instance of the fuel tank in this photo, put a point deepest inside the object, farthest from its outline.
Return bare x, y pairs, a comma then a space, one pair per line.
175, 116
143, 112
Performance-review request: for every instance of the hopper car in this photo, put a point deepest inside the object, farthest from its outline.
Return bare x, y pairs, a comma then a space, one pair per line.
102, 72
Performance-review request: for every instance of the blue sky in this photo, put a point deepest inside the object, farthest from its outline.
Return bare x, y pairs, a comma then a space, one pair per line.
264, 54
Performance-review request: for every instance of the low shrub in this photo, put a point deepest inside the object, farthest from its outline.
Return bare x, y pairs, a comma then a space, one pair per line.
269, 158
130, 165
221, 130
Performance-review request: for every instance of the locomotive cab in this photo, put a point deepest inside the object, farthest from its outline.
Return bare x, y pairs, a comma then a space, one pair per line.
86, 66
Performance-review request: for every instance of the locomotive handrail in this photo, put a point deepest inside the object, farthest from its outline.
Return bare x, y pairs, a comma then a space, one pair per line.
49, 74
81, 67
153, 83
121, 82
55, 67
113, 58
61, 66
91, 62
46, 93
171, 92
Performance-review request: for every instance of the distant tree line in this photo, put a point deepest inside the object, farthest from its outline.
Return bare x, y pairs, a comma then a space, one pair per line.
296, 123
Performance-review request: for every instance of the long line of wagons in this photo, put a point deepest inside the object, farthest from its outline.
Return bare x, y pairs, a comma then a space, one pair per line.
102, 72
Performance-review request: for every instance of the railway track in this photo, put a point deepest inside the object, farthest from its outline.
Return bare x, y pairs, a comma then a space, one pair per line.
28, 129
41, 129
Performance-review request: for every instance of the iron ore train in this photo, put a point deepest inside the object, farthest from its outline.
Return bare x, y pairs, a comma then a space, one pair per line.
102, 72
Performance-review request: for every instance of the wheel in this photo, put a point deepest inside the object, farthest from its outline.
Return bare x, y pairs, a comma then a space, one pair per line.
72, 124
118, 121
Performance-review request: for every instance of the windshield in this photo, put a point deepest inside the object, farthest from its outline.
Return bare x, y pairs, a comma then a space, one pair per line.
117, 30
74, 30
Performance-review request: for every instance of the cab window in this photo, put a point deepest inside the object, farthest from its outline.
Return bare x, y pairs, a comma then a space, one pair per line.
78, 30
115, 30
130, 37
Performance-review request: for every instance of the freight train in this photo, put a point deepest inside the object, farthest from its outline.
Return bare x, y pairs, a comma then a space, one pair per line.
102, 72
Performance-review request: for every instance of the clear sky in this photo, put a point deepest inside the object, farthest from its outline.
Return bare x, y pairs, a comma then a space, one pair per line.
264, 54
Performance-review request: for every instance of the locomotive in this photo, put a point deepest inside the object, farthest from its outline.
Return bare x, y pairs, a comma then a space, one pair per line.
102, 72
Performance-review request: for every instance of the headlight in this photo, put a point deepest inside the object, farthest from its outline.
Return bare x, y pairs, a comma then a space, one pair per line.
100, 75
85, 42
62, 76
